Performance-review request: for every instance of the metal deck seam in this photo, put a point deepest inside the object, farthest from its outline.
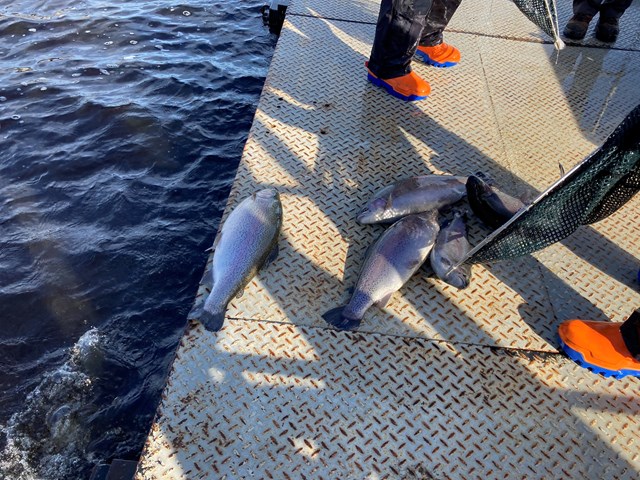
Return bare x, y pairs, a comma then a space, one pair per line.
245, 407
396, 335
449, 384
320, 17
481, 34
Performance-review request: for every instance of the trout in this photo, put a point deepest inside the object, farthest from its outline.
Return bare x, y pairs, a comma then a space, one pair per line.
248, 239
450, 248
491, 205
413, 195
389, 263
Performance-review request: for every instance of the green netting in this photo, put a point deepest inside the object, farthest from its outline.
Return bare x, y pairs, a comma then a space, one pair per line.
591, 191
544, 14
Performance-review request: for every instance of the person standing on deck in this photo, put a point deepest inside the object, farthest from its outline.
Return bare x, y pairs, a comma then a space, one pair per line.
406, 28
583, 12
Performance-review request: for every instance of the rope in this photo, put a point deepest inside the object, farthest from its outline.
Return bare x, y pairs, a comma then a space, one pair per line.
555, 27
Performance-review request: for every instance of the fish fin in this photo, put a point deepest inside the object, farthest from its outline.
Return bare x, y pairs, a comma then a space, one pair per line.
335, 318
273, 254
383, 301
389, 202
448, 209
253, 196
196, 311
240, 293
207, 276
461, 211
215, 242
212, 321
561, 170
445, 223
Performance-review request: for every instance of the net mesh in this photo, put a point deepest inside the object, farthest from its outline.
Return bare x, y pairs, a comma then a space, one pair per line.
544, 14
593, 190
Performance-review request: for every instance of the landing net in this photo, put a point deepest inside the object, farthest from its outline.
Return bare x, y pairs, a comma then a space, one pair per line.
545, 15
590, 192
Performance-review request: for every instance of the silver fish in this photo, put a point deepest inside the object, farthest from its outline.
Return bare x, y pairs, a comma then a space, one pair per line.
450, 248
491, 205
247, 240
389, 263
413, 195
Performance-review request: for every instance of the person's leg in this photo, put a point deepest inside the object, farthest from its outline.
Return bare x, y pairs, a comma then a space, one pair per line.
432, 49
400, 24
607, 28
614, 8
437, 20
630, 331
586, 7
583, 13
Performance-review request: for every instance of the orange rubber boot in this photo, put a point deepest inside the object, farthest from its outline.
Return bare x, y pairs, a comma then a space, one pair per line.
598, 346
409, 87
443, 55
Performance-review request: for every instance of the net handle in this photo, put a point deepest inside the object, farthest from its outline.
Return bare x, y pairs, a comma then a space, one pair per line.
519, 214
555, 25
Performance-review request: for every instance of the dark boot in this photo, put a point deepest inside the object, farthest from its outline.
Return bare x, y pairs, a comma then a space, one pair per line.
607, 29
400, 23
577, 26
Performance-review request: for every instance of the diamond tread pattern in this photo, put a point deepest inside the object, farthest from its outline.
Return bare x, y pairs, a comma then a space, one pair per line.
265, 400
321, 141
498, 18
277, 394
595, 189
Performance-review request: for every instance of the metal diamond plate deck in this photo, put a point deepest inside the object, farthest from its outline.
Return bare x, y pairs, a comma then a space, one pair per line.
271, 401
441, 384
496, 18
321, 141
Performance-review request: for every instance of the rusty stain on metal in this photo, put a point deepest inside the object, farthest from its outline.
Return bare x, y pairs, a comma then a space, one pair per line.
322, 245
385, 405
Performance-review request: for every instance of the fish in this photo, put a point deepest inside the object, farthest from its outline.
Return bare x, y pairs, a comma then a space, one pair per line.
247, 241
413, 195
451, 247
489, 204
388, 264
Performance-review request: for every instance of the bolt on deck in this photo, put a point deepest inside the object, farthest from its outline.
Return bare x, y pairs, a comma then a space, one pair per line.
441, 383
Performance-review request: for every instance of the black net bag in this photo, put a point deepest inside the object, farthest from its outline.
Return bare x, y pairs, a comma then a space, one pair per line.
544, 14
591, 191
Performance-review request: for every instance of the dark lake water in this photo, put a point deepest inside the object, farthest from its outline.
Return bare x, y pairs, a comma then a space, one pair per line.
121, 127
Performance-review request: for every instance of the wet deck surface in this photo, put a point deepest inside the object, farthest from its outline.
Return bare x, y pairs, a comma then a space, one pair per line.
441, 383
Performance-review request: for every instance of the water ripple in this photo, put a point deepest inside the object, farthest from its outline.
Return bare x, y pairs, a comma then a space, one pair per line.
121, 126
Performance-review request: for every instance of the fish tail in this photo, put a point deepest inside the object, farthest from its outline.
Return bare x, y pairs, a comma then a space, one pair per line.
212, 321
336, 318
